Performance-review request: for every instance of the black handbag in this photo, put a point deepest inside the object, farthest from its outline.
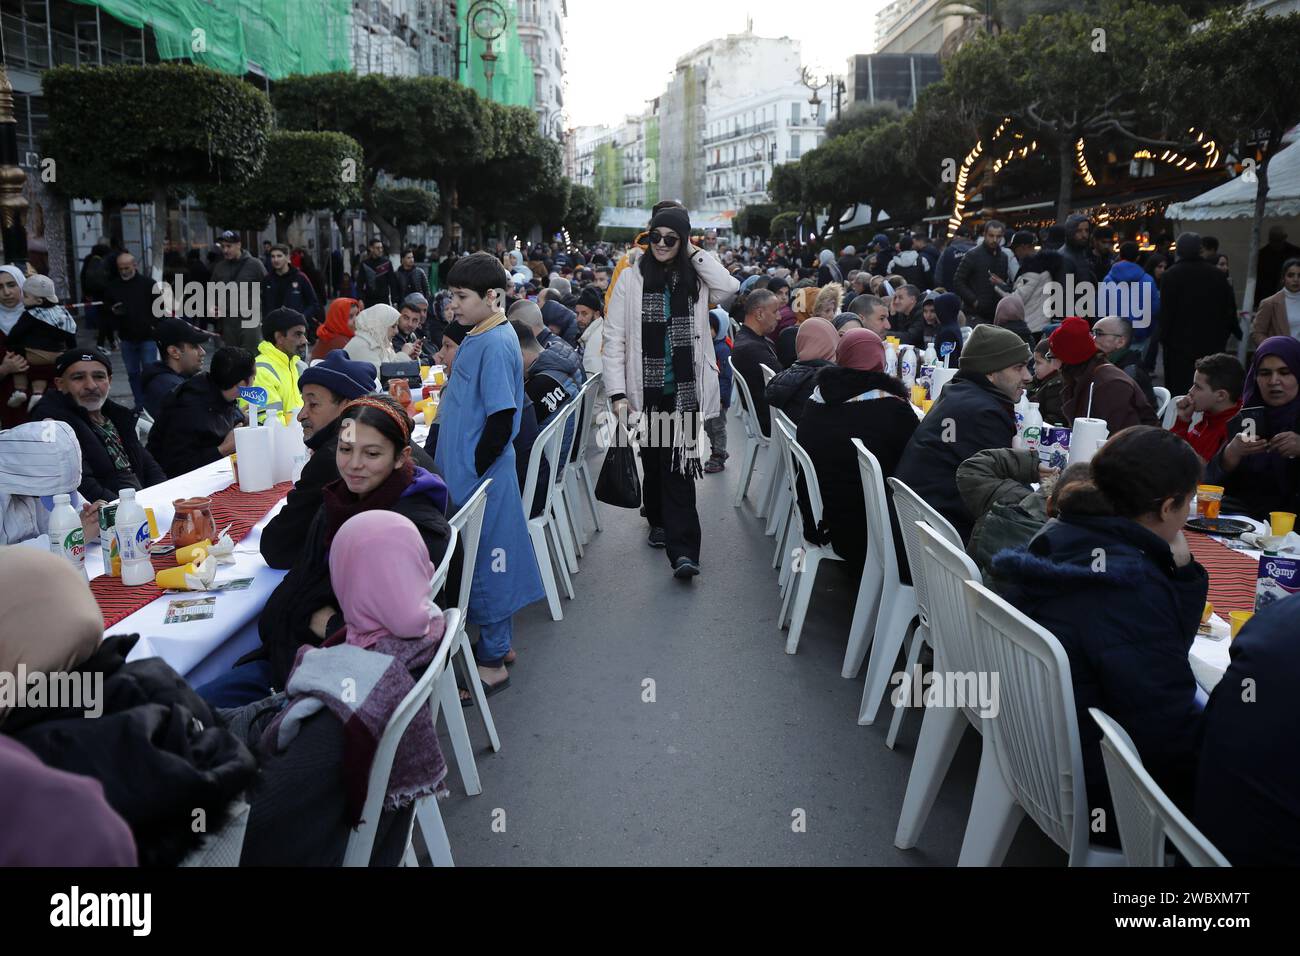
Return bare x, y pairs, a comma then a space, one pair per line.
619, 484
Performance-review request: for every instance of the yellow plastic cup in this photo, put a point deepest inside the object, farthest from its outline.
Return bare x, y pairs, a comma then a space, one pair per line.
193, 553
1238, 619
925, 405
153, 523
174, 578
918, 394
439, 376
1205, 614
424, 372
1208, 499
1281, 522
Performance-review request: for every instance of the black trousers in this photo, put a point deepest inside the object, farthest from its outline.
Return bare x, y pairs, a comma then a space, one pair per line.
669, 498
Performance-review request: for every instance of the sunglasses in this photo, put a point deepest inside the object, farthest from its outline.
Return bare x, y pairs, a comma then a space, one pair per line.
664, 239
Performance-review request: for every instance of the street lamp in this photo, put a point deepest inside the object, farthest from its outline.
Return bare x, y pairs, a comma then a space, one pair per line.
487, 21
555, 121
814, 81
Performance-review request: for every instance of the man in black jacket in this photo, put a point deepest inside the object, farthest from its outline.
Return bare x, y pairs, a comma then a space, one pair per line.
112, 457
326, 388
286, 287
752, 349
975, 411
1197, 313
181, 347
1078, 250
129, 299
196, 424
979, 272
374, 276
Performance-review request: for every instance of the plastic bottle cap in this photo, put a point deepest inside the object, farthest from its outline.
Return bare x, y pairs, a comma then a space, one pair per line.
127, 494
62, 500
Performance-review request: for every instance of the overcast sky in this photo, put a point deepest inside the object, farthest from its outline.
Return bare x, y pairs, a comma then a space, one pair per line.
621, 54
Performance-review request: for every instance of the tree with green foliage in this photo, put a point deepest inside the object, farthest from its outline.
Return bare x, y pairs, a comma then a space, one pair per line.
783, 224
861, 115
523, 183
1255, 98
583, 215
406, 206
139, 133
755, 220
1049, 76
302, 172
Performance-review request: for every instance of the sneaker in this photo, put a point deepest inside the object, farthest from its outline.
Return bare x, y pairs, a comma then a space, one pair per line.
658, 538
713, 466
36, 397
17, 399
685, 568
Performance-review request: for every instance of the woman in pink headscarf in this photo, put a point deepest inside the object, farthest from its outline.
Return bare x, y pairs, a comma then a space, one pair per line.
815, 344
853, 399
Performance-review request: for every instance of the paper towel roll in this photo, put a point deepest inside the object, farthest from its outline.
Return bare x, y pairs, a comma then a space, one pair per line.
256, 458
942, 376
287, 447
1087, 435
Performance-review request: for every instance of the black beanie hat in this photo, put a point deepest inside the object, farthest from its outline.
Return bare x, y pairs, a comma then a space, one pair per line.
674, 218
590, 297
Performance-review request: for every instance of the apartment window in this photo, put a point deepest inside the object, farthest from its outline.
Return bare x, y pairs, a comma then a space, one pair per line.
794, 145
794, 113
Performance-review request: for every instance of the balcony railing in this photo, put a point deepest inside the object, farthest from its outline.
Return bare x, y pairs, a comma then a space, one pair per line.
738, 132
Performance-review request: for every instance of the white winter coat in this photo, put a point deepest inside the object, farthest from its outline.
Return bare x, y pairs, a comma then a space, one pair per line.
622, 334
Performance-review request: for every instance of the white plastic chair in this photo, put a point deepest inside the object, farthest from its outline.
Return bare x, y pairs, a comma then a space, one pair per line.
755, 440
881, 596
468, 523
768, 374
362, 840
772, 479
1144, 814
1032, 763
543, 528
143, 426
779, 516
912, 508
947, 568
561, 521
1166, 408
810, 556
578, 481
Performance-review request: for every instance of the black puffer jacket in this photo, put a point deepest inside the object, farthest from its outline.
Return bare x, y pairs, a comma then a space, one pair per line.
157, 748
790, 387
831, 419
1126, 626
100, 481
193, 422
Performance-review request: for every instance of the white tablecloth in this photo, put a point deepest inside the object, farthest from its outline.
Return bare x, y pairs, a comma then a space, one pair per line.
186, 646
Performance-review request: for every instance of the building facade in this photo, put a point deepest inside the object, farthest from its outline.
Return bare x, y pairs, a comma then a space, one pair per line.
541, 31
896, 78
404, 37
910, 26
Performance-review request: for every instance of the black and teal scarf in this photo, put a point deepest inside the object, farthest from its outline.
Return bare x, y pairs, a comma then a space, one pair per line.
668, 322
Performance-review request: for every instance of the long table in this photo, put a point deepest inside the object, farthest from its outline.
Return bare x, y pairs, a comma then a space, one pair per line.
199, 650
1209, 656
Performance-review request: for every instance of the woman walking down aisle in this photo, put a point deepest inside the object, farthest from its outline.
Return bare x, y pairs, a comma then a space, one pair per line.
658, 358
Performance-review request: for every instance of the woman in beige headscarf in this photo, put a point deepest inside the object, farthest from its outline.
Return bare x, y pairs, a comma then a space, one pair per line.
48, 620
373, 341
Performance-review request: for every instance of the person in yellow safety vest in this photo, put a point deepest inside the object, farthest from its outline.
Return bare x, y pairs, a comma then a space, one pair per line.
284, 335
638, 247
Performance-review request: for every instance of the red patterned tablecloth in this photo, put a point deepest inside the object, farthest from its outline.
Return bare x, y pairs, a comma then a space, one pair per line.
230, 506
1232, 574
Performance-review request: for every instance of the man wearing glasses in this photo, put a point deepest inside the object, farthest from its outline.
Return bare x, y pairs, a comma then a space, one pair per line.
1114, 337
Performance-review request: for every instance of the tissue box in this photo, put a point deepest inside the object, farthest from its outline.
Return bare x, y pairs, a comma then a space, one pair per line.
1278, 578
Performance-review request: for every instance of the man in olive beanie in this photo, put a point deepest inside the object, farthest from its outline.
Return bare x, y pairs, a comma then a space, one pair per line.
975, 411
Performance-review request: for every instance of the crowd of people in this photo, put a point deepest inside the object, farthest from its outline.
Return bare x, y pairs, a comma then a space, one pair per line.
663, 320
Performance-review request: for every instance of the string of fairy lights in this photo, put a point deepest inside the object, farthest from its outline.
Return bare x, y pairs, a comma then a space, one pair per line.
1101, 214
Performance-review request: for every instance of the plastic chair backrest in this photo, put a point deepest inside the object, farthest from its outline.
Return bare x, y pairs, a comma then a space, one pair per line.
572, 412
768, 374
1143, 812
749, 416
468, 522
587, 397
361, 842
444, 566
1034, 732
547, 445
1166, 410
880, 534
912, 508
801, 465
947, 568
781, 458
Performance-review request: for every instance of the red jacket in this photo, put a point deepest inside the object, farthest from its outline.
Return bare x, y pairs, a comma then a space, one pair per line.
1207, 435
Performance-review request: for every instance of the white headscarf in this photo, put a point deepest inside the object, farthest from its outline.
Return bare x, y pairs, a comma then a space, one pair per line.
9, 316
37, 458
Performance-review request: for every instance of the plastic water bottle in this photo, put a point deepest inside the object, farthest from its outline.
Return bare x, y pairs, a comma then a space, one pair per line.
931, 357
133, 541
1032, 429
907, 365
67, 538
891, 359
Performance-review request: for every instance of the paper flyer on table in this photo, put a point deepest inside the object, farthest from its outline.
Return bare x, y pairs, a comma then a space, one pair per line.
186, 612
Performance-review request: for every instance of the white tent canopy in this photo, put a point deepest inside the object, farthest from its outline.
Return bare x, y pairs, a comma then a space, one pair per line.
1236, 199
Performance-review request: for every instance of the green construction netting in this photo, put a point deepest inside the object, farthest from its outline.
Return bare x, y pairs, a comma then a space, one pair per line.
512, 79
652, 157
280, 37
